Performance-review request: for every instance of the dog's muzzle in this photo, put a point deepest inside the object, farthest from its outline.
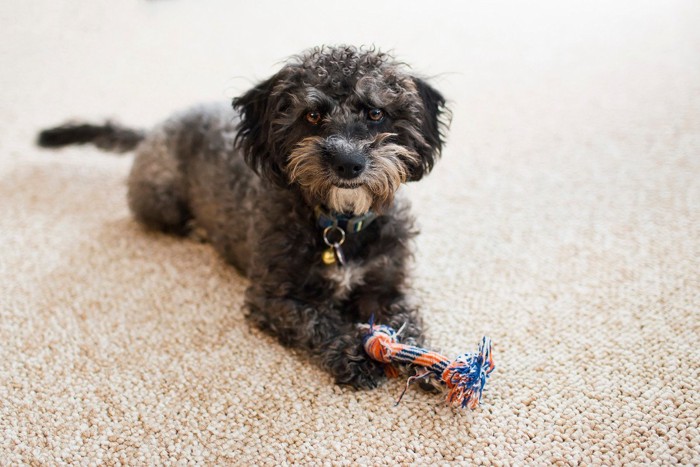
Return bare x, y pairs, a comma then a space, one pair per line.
347, 160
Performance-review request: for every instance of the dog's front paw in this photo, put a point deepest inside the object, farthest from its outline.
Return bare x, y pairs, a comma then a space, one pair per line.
350, 365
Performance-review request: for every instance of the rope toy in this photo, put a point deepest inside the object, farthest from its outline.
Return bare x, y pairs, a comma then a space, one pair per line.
464, 377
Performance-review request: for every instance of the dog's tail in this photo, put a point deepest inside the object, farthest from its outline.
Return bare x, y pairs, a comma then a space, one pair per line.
110, 136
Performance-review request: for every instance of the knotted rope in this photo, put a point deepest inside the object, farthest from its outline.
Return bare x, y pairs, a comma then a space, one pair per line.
464, 377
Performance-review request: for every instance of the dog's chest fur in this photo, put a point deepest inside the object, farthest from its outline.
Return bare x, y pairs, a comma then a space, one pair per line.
342, 280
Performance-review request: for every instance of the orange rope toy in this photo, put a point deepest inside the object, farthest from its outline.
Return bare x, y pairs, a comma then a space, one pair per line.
464, 377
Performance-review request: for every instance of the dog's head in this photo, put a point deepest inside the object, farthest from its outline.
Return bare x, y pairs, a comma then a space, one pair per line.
345, 125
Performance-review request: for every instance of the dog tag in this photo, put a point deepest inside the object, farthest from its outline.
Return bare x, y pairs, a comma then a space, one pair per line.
338, 253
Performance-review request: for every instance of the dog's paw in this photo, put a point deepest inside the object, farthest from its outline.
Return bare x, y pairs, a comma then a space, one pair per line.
361, 375
350, 365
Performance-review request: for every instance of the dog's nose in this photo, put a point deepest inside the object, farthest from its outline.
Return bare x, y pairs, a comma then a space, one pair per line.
348, 164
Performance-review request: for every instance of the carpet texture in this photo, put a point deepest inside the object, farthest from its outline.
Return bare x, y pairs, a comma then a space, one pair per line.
563, 221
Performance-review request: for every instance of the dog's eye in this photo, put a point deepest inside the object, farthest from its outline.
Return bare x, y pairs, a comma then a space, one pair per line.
376, 115
313, 117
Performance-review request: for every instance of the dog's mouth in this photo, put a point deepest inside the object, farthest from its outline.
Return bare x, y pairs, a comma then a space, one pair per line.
347, 184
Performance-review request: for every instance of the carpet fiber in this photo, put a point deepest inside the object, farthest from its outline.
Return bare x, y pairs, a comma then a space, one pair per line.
563, 221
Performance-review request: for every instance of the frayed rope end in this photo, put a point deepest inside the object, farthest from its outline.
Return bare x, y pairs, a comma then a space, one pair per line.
466, 376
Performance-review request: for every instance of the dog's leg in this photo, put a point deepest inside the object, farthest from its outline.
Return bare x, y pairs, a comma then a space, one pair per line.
406, 317
382, 297
383, 293
320, 330
396, 311
157, 193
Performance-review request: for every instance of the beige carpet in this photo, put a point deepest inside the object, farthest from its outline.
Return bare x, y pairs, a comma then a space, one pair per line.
564, 222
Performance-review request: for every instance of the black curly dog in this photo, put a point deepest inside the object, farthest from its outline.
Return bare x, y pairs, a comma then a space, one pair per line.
297, 187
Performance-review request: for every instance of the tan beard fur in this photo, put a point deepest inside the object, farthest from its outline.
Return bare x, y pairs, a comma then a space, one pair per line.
350, 200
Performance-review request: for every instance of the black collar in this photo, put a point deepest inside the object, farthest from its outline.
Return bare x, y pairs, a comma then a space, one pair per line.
349, 224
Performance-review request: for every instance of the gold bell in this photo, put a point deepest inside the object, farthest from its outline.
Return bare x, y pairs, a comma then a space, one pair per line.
328, 257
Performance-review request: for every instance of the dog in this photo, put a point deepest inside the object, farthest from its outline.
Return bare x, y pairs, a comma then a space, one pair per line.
297, 186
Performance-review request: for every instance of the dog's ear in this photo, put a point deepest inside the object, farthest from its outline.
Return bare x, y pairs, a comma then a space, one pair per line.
254, 137
434, 122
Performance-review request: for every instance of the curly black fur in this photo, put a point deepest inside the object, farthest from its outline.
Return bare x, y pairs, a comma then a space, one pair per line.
196, 169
